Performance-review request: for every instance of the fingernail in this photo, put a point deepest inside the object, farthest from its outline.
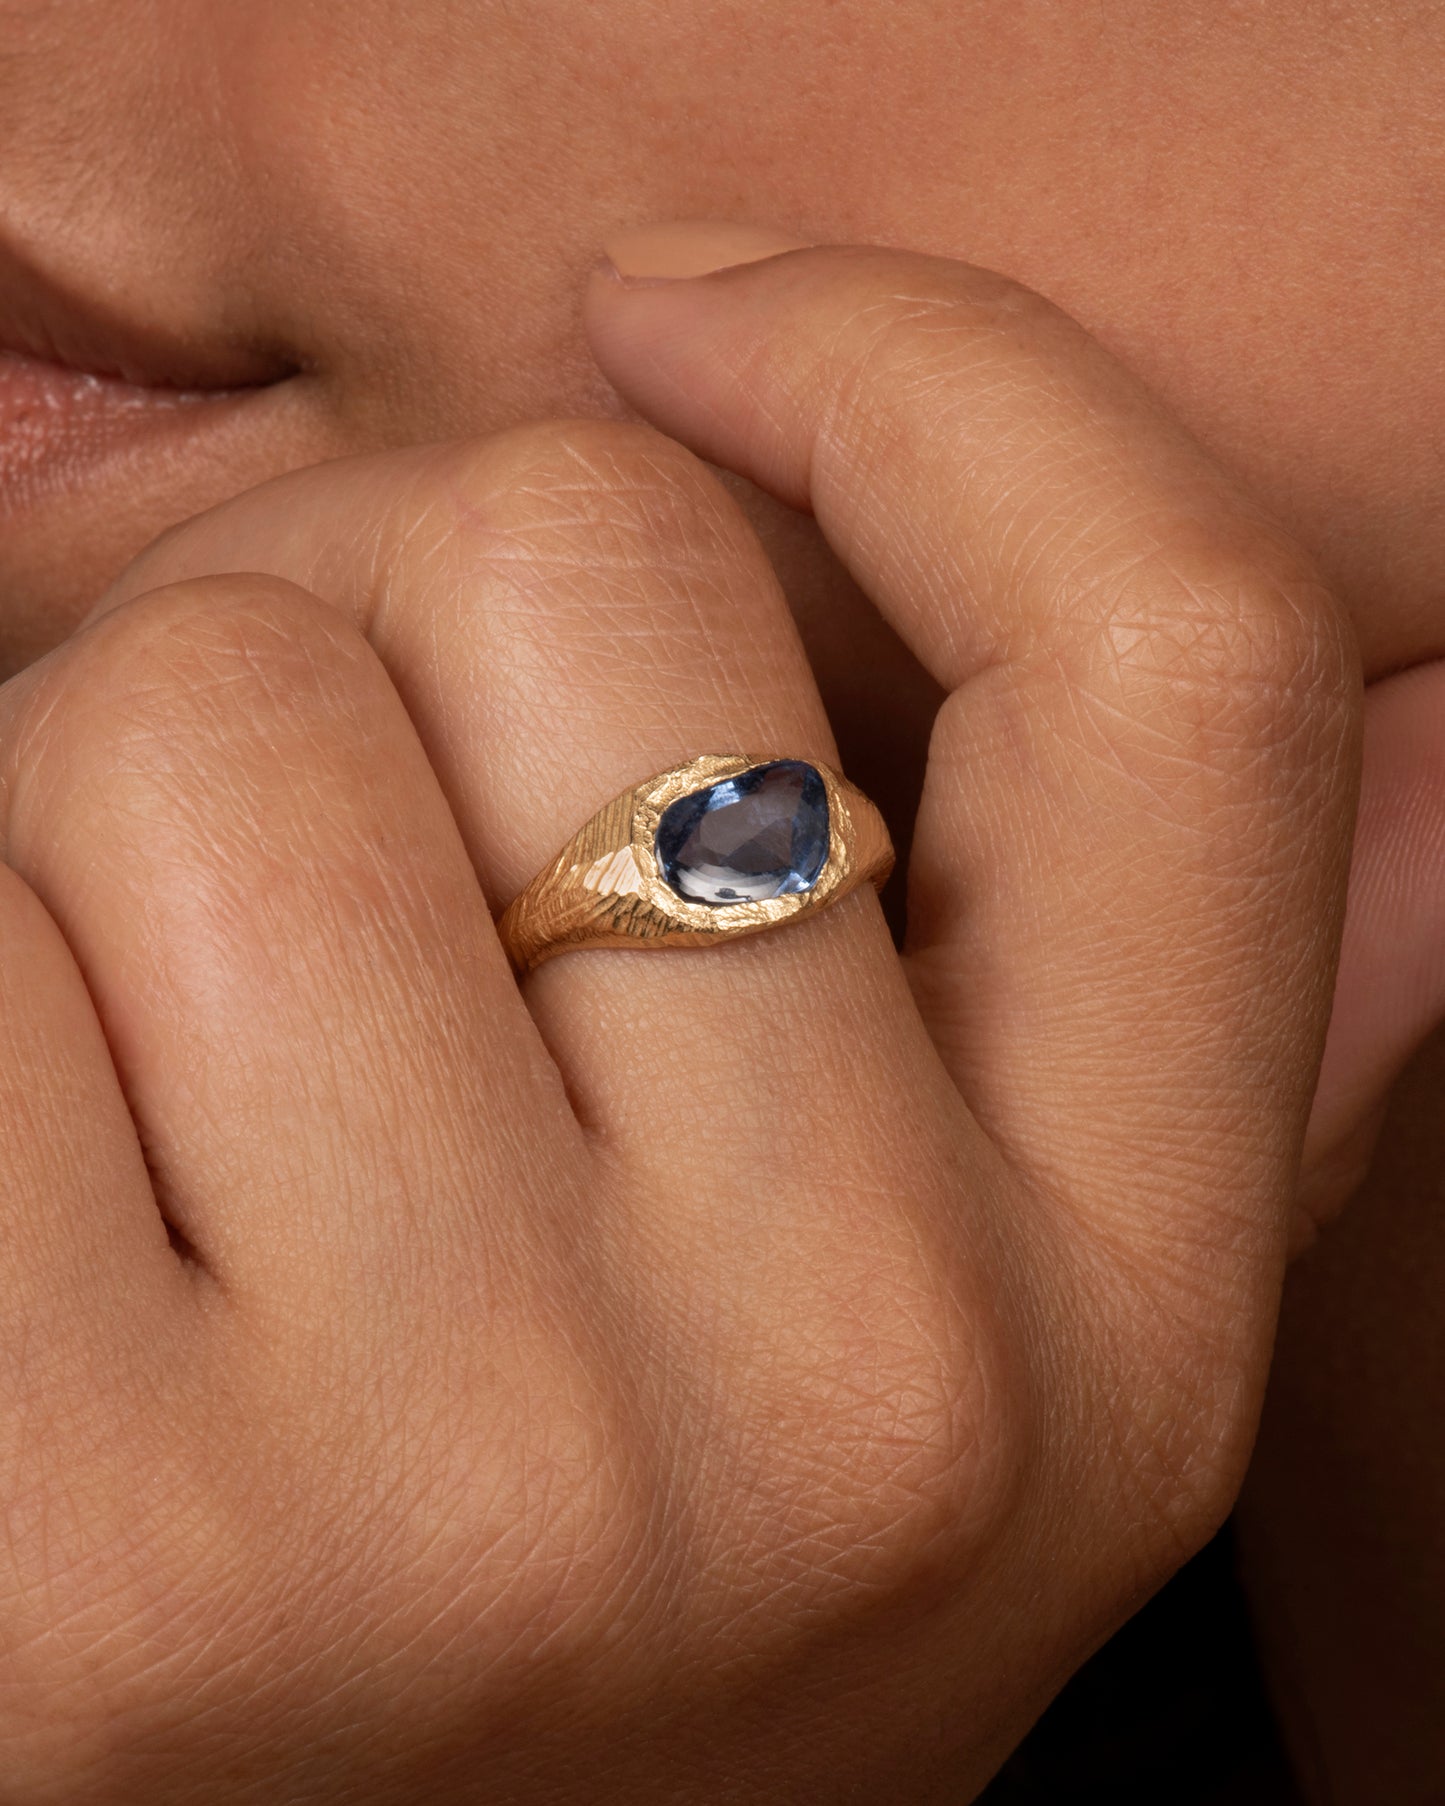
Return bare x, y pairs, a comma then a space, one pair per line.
681, 248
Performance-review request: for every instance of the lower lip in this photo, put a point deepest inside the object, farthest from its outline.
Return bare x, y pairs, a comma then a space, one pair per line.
56, 424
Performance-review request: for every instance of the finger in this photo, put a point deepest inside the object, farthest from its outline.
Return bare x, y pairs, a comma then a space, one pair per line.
1132, 841
1391, 990
566, 609
222, 801
88, 1275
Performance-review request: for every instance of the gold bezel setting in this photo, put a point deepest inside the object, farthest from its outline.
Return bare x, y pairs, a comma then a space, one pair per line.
606, 888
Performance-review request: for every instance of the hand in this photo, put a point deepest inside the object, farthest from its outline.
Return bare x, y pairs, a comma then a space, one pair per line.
755, 1375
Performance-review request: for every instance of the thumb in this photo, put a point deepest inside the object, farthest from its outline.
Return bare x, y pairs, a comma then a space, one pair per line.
1391, 990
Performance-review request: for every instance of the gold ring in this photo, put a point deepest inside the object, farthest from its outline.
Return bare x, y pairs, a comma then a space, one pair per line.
717, 848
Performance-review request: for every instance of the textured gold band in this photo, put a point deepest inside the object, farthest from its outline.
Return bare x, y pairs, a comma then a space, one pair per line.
606, 888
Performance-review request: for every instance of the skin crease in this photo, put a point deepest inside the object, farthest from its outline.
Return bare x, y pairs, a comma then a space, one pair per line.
1241, 202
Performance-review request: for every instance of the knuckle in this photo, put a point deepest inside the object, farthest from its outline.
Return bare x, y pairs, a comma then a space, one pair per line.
1170, 594
569, 1541
230, 641
1175, 1407
585, 540
892, 1424
1176, 1472
186, 671
615, 493
1217, 637
521, 1494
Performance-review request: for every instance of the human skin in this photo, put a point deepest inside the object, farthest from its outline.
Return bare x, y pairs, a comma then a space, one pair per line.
755, 1374
266, 178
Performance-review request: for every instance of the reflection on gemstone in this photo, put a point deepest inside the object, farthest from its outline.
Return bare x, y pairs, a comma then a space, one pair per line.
761, 834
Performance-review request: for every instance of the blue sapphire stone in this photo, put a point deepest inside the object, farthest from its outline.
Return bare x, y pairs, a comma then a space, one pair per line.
761, 834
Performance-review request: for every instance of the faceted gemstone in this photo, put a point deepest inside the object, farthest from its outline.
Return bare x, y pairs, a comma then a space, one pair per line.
761, 834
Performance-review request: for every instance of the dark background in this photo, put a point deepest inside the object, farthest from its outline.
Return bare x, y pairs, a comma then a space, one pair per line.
1171, 1712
